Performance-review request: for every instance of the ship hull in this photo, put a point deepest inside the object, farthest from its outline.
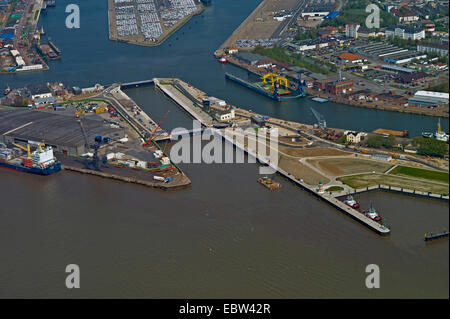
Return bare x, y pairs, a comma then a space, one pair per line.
32, 170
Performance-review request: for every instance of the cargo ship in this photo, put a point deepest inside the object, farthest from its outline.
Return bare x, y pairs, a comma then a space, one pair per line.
41, 161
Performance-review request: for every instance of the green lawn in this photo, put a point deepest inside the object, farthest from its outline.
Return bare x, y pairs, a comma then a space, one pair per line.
420, 173
334, 189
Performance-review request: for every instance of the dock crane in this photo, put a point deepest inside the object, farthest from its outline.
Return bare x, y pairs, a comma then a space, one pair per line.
320, 119
154, 131
95, 146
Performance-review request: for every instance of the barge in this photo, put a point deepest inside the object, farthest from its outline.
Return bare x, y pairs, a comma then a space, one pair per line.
269, 183
274, 93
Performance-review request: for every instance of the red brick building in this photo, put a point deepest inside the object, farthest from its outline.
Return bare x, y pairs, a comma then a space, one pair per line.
339, 87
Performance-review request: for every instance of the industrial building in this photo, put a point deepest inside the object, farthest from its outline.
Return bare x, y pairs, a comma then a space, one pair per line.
248, 57
428, 98
310, 45
412, 77
339, 87
63, 132
404, 57
39, 91
318, 9
398, 69
379, 50
389, 53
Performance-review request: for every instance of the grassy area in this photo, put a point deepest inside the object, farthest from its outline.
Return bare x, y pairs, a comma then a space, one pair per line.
281, 55
420, 173
334, 189
443, 87
365, 180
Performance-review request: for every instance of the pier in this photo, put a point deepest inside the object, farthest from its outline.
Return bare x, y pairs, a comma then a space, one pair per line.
127, 175
142, 123
169, 87
431, 236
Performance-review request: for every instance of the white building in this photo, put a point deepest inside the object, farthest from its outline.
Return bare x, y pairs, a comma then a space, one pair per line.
309, 45
439, 48
405, 32
353, 137
226, 116
351, 30
437, 96
94, 89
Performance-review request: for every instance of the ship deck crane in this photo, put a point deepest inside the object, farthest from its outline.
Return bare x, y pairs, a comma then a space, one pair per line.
26, 149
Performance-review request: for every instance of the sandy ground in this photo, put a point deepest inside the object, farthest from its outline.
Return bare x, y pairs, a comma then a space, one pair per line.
299, 141
299, 170
345, 166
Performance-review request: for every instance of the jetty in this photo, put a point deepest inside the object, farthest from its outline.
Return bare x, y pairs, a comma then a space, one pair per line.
174, 89
431, 236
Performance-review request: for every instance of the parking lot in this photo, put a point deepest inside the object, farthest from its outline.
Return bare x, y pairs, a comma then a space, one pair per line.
148, 20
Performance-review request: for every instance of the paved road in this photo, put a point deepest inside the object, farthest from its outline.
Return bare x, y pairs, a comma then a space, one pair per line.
281, 28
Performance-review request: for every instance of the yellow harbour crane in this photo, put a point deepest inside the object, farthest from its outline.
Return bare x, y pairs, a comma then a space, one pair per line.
273, 78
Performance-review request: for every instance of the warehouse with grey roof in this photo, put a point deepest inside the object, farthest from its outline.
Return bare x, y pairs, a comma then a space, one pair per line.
63, 132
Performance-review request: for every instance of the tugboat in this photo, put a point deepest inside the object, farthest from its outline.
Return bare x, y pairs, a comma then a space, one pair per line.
350, 201
372, 213
222, 60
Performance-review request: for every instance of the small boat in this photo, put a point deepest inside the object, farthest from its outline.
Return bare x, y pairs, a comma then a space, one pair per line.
350, 201
222, 60
372, 213
440, 135
319, 99
7, 90
42, 31
427, 134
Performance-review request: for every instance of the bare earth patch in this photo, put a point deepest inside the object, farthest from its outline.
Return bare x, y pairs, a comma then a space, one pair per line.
311, 152
301, 171
345, 166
